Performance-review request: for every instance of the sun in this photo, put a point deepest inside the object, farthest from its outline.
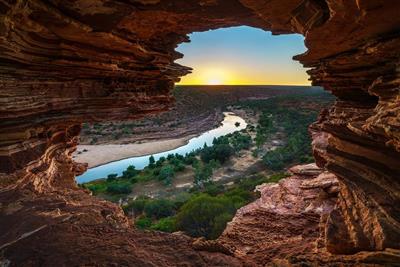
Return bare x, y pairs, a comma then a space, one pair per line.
215, 76
214, 81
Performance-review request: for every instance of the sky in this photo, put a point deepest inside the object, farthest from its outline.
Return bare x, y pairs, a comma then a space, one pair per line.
243, 56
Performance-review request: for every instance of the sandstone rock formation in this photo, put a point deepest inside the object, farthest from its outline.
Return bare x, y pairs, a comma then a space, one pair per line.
285, 220
285, 225
67, 62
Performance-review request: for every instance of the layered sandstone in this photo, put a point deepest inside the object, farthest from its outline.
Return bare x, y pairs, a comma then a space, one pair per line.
284, 222
67, 62
285, 226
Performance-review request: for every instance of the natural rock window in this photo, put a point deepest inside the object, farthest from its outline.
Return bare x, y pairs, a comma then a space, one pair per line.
63, 63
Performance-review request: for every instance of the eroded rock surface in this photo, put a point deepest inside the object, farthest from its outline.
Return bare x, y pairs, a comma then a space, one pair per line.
70, 228
285, 220
67, 62
285, 226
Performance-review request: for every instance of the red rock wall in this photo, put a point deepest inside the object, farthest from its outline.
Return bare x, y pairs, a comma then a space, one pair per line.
67, 62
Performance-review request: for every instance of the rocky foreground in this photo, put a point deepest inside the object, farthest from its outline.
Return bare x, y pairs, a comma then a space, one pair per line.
285, 220
283, 227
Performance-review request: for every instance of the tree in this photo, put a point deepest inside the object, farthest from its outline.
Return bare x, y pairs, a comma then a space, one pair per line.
159, 208
130, 172
151, 162
160, 162
265, 120
179, 167
202, 174
189, 158
166, 174
223, 152
241, 141
237, 124
119, 189
205, 216
112, 177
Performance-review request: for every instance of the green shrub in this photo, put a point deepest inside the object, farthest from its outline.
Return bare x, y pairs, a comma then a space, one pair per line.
143, 223
96, 188
219, 225
201, 216
239, 195
213, 189
179, 167
119, 189
166, 224
166, 174
202, 174
136, 206
219, 151
189, 159
130, 172
276, 177
241, 141
159, 208
112, 177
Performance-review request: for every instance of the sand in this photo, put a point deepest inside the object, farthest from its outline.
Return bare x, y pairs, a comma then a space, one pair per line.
101, 154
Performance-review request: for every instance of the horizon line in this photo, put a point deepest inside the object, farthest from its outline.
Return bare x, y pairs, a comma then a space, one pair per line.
244, 85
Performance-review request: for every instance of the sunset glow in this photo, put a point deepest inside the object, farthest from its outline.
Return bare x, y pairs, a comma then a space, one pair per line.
213, 76
215, 81
243, 56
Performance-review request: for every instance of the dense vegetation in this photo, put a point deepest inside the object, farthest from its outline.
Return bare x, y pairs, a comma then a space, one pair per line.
203, 211
202, 161
292, 115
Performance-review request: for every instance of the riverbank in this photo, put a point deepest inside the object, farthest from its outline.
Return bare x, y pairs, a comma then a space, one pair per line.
96, 155
164, 139
122, 156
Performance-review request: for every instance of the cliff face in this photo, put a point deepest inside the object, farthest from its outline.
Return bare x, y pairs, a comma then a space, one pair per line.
67, 62
284, 223
285, 226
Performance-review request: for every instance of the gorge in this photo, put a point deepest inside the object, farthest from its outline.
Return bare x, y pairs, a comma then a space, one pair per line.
64, 63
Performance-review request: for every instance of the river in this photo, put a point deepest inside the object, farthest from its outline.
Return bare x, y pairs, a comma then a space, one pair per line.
228, 126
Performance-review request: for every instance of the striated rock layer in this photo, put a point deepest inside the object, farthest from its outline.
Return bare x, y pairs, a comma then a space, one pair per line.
67, 62
284, 222
284, 227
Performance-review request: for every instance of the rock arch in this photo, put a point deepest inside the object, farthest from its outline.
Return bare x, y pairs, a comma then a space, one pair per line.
66, 62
